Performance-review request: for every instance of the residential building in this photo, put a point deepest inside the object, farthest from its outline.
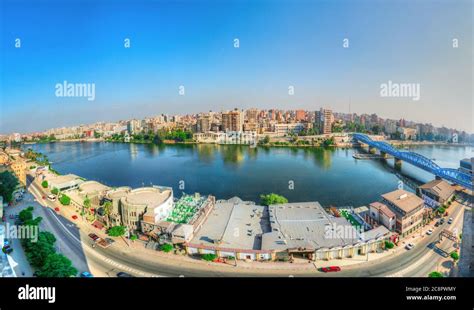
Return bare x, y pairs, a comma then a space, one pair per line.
438, 190
382, 215
232, 121
19, 167
324, 120
409, 210
203, 123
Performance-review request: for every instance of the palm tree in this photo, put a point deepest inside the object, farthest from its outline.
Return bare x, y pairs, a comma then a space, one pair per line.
86, 204
107, 211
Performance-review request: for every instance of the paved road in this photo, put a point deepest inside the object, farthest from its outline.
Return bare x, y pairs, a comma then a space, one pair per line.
114, 259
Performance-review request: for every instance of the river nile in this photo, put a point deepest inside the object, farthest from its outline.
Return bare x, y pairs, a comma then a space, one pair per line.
330, 176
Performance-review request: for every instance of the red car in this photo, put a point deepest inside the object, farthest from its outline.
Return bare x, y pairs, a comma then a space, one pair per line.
56, 209
331, 269
74, 217
93, 236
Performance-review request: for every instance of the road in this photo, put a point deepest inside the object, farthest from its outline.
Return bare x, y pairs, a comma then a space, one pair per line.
75, 244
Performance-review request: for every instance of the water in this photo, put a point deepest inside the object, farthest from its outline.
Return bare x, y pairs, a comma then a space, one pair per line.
330, 176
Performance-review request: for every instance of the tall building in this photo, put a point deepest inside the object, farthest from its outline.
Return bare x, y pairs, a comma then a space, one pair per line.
324, 120
300, 115
19, 169
232, 120
252, 116
203, 123
133, 126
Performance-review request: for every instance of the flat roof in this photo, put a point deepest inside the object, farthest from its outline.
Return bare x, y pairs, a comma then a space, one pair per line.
118, 192
90, 187
406, 201
147, 196
308, 226
234, 224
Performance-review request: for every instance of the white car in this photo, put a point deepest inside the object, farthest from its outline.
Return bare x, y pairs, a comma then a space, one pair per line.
429, 232
450, 220
409, 246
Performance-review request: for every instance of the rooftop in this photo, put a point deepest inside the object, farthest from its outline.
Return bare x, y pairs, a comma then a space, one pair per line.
404, 200
233, 223
306, 225
440, 188
147, 196
92, 187
383, 208
118, 192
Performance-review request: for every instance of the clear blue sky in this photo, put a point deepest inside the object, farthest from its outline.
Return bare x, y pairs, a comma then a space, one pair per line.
190, 43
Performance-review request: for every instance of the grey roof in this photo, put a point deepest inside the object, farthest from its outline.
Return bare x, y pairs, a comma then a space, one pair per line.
308, 226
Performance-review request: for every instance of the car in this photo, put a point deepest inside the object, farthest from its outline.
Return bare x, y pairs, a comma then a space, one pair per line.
124, 275
74, 217
51, 197
6, 242
409, 246
7, 249
441, 221
450, 220
93, 236
109, 240
86, 274
56, 209
44, 197
429, 232
331, 269
437, 224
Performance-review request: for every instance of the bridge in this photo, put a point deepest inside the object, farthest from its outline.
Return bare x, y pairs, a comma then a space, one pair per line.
418, 160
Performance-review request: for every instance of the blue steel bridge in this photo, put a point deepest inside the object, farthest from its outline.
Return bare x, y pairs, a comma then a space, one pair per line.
420, 161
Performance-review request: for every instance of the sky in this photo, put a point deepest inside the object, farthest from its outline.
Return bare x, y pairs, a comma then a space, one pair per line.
282, 43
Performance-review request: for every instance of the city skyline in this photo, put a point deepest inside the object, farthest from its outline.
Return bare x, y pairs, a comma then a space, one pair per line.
297, 45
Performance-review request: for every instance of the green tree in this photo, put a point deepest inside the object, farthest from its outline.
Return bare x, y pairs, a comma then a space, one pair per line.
57, 266
271, 199
107, 210
8, 184
44, 184
389, 245
454, 255
116, 231
26, 214
38, 251
65, 200
435, 274
166, 247
55, 191
209, 257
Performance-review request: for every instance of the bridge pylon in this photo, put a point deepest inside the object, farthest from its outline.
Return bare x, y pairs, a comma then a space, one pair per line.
398, 163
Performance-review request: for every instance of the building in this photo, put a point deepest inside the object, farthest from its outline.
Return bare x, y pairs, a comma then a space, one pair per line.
466, 165
113, 196
133, 126
203, 123
232, 121
437, 190
19, 167
285, 129
324, 120
64, 182
155, 201
300, 115
380, 213
229, 137
4, 158
243, 230
409, 210
407, 133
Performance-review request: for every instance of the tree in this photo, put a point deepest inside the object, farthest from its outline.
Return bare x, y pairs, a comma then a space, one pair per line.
8, 184
209, 257
166, 247
435, 274
57, 266
389, 245
116, 231
38, 251
271, 199
107, 210
44, 184
55, 191
454, 255
65, 200
26, 214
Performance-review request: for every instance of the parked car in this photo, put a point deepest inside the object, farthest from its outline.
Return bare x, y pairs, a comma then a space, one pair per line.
56, 209
429, 232
51, 197
109, 240
441, 221
74, 217
94, 237
450, 220
124, 275
409, 246
331, 269
86, 274
7, 249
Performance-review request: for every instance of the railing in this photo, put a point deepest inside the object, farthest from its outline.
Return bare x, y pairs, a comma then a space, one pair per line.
420, 161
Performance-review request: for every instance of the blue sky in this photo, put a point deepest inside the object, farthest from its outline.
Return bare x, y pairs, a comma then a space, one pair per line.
190, 43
